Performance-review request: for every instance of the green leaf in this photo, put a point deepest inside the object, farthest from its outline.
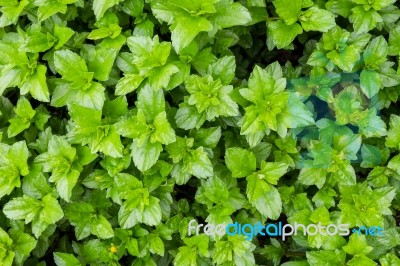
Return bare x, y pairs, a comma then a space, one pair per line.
371, 82
264, 197
71, 66
51, 212
372, 125
60, 160
207, 137
92, 98
159, 78
36, 84
13, 163
65, 259
101, 227
151, 102
375, 53
230, 14
195, 163
313, 176
185, 29
22, 208
35, 183
99, 60
316, 19
326, 257
296, 114
81, 216
272, 171
107, 141
23, 245
188, 161
281, 34
394, 38
200, 165
345, 59
128, 83
101, 6
210, 97
24, 115
195, 246
188, 117
240, 162
92, 95
274, 252
145, 155
7, 255
325, 197
364, 20
48, 8
389, 259
36, 41
362, 206
372, 156
266, 92
62, 34
223, 69
393, 137
85, 123
148, 53
163, 131
237, 250
361, 260
139, 208
288, 10
357, 245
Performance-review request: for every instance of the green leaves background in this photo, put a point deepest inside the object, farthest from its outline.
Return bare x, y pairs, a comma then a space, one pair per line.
120, 121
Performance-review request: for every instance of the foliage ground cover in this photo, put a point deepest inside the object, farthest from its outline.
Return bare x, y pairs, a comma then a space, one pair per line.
122, 120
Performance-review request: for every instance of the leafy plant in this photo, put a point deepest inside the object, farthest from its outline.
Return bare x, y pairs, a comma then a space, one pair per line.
123, 121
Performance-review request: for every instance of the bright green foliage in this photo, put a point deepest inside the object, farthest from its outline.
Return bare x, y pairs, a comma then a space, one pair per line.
357, 246
86, 221
15, 246
42, 213
340, 48
208, 100
271, 108
189, 18
76, 85
149, 128
149, 59
19, 63
233, 251
260, 192
361, 205
366, 15
138, 205
331, 156
393, 137
284, 31
25, 116
193, 251
240, 162
101, 6
188, 161
65, 163
13, 164
125, 124
326, 257
64, 259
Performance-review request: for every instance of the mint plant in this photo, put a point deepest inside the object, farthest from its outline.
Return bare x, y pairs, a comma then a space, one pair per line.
166, 132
